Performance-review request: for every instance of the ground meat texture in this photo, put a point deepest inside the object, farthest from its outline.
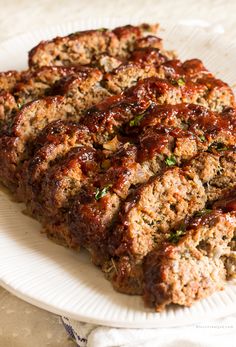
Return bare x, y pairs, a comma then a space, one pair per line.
193, 267
82, 93
228, 204
217, 172
59, 185
138, 231
8, 108
8, 80
97, 205
81, 48
143, 63
31, 119
37, 83
54, 142
32, 85
156, 206
155, 149
65, 178
125, 274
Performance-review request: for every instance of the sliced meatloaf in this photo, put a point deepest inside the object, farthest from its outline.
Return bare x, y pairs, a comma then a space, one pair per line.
191, 266
53, 143
188, 191
81, 48
143, 63
31, 119
145, 223
148, 62
104, 119
58, 187
159, 143
117, 146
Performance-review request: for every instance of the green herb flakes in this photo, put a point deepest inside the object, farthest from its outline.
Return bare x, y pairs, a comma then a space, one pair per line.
181, 82
218, 146
202, 138
19, 105
101, 192
176, 235
136, 120
171, 160
203, 212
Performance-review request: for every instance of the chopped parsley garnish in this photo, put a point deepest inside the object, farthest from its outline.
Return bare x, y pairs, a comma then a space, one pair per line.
202, 138
203, 212
170, 161
181, 82
218, 146
136, 121
176, 235
101, 192
19, 105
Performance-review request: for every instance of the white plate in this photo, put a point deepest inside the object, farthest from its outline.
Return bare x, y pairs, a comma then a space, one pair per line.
63, 281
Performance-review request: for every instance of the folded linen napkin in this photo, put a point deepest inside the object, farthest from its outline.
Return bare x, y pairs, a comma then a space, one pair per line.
217, 333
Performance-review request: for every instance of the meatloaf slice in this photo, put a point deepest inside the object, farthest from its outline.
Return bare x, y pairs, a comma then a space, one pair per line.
81, 48
37, 83
143, 63
151, 62
58, 187
54, 142
156, 208
158, 205
186, 270
97, 205
31, 119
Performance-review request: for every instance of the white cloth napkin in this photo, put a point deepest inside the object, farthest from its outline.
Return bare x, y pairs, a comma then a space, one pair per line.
217, 333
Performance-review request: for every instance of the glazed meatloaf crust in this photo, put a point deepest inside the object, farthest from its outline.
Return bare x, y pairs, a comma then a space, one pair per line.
117, 146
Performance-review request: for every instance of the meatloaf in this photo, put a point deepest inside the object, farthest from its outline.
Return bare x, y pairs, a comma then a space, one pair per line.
117, 146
